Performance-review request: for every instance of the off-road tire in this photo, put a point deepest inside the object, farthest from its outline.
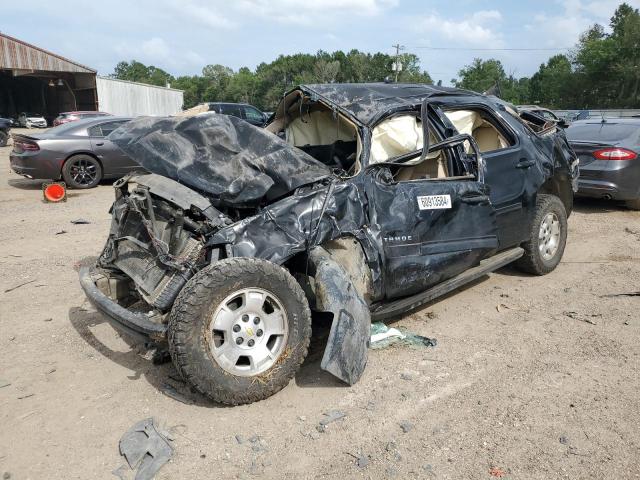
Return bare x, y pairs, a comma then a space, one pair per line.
195, 305
633, 204
532, 260
4, 138
67, 175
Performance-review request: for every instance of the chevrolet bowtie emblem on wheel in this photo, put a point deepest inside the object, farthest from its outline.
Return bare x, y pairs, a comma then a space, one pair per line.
250, 331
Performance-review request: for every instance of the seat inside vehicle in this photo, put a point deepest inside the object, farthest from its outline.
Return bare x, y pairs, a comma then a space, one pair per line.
321, 132
473, 123
401, 135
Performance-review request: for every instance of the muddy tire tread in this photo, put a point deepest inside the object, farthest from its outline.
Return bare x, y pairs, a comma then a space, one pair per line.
531, 262
197, 293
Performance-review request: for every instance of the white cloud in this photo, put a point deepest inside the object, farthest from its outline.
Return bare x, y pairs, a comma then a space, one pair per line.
207, 14
155, 48
575, 16
474, 29
313, 12
156, 51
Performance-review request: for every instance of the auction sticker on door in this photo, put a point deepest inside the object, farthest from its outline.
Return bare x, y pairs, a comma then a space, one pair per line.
434, 202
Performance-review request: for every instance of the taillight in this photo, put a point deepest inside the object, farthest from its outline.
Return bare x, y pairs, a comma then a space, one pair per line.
615, 154
26, 146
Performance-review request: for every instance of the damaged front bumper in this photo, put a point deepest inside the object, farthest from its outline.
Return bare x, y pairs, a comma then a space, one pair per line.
137, 324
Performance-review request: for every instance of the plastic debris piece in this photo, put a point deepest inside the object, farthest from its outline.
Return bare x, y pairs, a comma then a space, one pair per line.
145, 449
80, 221
383, 337
331, 416
171, 392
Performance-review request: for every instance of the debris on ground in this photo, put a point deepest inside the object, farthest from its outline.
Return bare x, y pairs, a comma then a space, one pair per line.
258, 444
4, 383
61, 232
624, 294
496, 472
80, 221
26, 396
145, 449
48, 319
331, 416
383, 337
18, 286
577, 316
564, 440
171, 392
362, 460
406, 427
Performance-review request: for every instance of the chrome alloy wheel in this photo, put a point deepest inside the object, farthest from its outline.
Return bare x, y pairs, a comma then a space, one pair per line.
83, 172
549, 236
248, 331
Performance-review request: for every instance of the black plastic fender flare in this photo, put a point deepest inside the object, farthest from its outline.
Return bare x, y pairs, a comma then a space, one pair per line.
346, 353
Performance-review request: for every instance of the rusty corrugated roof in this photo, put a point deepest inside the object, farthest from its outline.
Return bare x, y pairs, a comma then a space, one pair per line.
16, 54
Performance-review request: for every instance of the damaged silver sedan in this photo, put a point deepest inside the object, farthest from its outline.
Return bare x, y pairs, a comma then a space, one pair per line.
356, 202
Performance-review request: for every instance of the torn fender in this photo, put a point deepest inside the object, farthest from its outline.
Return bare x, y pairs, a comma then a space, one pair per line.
346, 353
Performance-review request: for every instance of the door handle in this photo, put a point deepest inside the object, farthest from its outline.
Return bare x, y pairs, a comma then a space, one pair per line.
524, 163
474, 199
99, 144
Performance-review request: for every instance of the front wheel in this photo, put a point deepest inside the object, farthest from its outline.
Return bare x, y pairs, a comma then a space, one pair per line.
547, 237
82, 171
239, 330
4, 138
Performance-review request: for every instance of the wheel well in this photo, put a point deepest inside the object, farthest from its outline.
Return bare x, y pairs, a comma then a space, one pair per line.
561, 188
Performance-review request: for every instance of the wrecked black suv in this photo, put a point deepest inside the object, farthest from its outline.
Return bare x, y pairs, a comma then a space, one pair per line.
357, 202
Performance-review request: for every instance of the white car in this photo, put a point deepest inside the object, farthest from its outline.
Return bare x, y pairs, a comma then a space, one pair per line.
31, 120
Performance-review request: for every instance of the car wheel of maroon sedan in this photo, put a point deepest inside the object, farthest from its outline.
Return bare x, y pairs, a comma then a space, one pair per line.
82, 171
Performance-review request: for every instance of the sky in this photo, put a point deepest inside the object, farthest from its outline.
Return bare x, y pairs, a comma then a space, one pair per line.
181, 36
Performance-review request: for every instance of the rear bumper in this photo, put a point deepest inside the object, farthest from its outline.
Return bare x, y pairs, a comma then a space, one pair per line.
34, 166
133, 323
618, 180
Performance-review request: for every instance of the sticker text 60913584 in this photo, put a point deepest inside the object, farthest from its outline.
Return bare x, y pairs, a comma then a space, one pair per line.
434, 202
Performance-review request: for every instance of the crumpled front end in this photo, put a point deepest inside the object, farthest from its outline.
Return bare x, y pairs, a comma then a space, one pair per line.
155, 245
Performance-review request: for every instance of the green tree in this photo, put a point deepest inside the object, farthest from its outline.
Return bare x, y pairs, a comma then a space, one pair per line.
481, 75
553, 84
135, 71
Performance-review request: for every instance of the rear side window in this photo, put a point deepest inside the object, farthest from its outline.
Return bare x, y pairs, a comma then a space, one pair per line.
233, 110
253, 114
104, 129
603, 132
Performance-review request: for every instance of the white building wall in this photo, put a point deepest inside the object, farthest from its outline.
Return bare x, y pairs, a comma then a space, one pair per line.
120, 97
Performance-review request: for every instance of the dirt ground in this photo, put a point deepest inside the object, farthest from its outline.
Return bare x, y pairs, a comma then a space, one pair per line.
532, 377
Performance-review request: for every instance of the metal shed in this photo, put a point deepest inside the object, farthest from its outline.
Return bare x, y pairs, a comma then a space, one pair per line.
35, 80
125, 98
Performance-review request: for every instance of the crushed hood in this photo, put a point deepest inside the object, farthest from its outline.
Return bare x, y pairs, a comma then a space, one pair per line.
225, 157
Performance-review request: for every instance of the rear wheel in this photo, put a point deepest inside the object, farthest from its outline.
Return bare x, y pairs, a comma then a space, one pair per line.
547, 237
82, 171
239, 330
3, 139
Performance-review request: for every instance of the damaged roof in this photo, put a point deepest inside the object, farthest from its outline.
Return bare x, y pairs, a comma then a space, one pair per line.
367, 101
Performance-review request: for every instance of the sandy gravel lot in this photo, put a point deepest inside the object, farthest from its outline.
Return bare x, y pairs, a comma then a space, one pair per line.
532, 377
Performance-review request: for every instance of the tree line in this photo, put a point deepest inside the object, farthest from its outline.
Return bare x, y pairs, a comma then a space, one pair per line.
601, 71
